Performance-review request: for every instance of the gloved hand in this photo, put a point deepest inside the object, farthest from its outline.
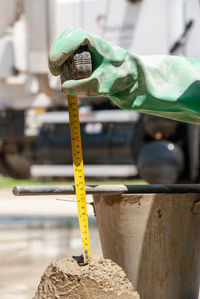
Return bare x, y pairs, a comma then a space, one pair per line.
166, 86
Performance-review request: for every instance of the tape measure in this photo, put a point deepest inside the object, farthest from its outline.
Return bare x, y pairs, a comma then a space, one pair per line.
78, 66
79, 174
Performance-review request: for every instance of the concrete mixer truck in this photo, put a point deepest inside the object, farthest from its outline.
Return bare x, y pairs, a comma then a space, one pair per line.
33, 112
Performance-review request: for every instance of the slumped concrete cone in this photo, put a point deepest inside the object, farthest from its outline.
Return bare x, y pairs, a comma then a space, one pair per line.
155, 238
65, 279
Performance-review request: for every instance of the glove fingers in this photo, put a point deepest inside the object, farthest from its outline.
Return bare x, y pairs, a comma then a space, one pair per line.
71, 39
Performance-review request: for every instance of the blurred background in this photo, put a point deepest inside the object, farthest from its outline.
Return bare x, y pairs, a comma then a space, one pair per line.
118, 146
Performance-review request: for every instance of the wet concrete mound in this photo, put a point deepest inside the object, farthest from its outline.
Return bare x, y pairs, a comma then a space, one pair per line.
100, 279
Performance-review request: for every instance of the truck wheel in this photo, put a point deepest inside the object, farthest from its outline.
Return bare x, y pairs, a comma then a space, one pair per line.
14, 165
161, 162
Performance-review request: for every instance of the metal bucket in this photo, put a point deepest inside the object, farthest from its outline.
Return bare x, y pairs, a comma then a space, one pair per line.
155, 238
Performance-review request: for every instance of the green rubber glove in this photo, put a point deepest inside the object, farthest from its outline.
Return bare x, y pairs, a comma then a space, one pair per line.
166, 86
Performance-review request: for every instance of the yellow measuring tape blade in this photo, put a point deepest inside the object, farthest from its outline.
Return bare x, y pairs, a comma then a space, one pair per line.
78, 171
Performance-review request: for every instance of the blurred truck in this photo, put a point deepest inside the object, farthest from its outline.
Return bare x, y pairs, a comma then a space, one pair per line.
33, 112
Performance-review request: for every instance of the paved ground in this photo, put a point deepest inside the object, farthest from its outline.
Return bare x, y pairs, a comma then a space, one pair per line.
39, 205
33, 231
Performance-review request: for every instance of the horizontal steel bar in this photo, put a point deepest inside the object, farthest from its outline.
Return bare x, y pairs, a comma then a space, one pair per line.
106, 189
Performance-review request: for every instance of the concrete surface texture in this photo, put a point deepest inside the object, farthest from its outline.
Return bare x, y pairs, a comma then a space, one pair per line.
65, 279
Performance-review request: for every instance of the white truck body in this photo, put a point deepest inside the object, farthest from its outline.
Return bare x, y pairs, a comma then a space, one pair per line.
27, 29
143, 27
